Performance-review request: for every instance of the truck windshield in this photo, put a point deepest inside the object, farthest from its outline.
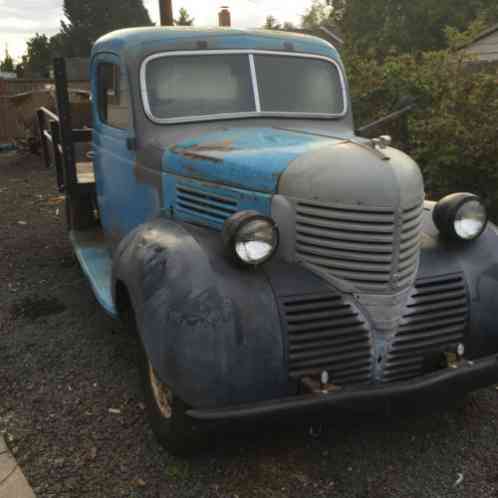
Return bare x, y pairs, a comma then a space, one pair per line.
195, 87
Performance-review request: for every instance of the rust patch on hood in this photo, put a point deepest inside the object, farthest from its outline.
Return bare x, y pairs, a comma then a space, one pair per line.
199, 151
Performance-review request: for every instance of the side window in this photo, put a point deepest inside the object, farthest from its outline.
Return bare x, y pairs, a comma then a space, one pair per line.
114, 102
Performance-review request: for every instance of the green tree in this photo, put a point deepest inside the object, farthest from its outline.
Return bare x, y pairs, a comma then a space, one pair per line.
452, 130
272, 23
87, 20
398, 26
288, 26
7, 65
317, 15
37, 60
184, 19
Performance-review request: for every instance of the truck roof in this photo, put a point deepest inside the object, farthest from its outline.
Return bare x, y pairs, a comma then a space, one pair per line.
140, 42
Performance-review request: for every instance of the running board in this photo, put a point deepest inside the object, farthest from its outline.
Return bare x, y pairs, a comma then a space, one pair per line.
94, 256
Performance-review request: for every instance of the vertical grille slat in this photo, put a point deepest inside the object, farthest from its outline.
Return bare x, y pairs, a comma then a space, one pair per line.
409, 244
325, 332
358, 243
435, 319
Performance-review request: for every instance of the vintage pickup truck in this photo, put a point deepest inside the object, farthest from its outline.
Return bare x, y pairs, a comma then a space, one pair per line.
272, 261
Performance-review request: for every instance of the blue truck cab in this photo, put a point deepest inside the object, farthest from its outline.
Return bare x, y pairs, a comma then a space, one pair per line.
271, 261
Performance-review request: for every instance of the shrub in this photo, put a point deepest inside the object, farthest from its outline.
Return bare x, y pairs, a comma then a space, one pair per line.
453, 133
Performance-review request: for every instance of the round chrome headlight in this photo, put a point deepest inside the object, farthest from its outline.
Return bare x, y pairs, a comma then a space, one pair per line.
460, 216
250, 238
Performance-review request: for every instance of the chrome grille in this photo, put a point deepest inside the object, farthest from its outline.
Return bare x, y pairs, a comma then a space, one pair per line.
434, 320
327, 333
359, 243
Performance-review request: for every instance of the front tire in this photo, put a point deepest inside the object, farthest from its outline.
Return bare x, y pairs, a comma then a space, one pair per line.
174, 429
167, 413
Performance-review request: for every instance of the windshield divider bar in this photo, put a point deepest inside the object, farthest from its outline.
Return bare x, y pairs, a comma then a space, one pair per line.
255, 85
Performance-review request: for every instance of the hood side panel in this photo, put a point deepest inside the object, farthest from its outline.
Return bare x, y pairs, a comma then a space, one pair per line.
249, 158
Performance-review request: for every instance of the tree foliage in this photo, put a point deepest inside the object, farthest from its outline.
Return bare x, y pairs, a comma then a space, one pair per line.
319, 14
453, 129
37, 61
400, 26
272, 23
87, 20
7, 65
184, 19
400, 48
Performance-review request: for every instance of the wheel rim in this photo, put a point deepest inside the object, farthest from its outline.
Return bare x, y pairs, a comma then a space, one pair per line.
162, 394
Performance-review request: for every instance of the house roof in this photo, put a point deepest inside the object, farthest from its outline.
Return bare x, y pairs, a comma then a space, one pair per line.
483, 34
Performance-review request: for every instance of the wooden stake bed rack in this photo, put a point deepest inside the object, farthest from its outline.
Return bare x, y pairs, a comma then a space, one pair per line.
76, 179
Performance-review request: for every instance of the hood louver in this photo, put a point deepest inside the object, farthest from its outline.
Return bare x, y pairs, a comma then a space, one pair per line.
200, 204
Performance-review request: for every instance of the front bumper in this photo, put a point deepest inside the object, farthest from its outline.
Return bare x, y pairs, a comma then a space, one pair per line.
467, 376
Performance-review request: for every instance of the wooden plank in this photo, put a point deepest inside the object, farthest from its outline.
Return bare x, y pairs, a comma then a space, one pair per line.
85, 172
13, 87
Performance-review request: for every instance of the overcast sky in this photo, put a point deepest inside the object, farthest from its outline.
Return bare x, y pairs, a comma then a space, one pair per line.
21, 19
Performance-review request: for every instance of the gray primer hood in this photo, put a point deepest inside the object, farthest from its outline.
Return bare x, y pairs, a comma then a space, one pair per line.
350, 173
354, 216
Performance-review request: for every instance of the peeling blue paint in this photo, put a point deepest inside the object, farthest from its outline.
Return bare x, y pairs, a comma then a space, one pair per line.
95, 260
251, 158
202, 202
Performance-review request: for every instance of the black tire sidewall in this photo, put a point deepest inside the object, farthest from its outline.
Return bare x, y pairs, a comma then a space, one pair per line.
179, 434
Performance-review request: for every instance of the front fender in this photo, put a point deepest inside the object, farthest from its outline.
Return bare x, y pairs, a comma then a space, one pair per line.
211, 330
478, 260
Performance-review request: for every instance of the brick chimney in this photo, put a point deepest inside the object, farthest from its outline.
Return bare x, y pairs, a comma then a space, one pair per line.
225, 18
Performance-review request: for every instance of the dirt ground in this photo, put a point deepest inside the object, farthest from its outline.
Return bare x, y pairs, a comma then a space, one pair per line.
64, 364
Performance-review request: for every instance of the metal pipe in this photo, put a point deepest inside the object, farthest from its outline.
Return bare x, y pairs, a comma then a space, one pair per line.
50, 114
43, 137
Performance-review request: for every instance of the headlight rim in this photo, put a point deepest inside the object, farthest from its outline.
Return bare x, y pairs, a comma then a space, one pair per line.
445, 213
234, 224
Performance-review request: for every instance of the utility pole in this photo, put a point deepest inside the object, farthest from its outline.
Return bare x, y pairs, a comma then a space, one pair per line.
166, 11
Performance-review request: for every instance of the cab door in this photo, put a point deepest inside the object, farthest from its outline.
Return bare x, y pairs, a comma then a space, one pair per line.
123, 202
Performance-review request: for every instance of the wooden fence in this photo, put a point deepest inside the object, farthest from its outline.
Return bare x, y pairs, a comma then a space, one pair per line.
10, 122
13, 87
9, 126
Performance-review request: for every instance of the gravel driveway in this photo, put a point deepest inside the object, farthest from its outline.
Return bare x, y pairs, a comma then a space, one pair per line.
64, 365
